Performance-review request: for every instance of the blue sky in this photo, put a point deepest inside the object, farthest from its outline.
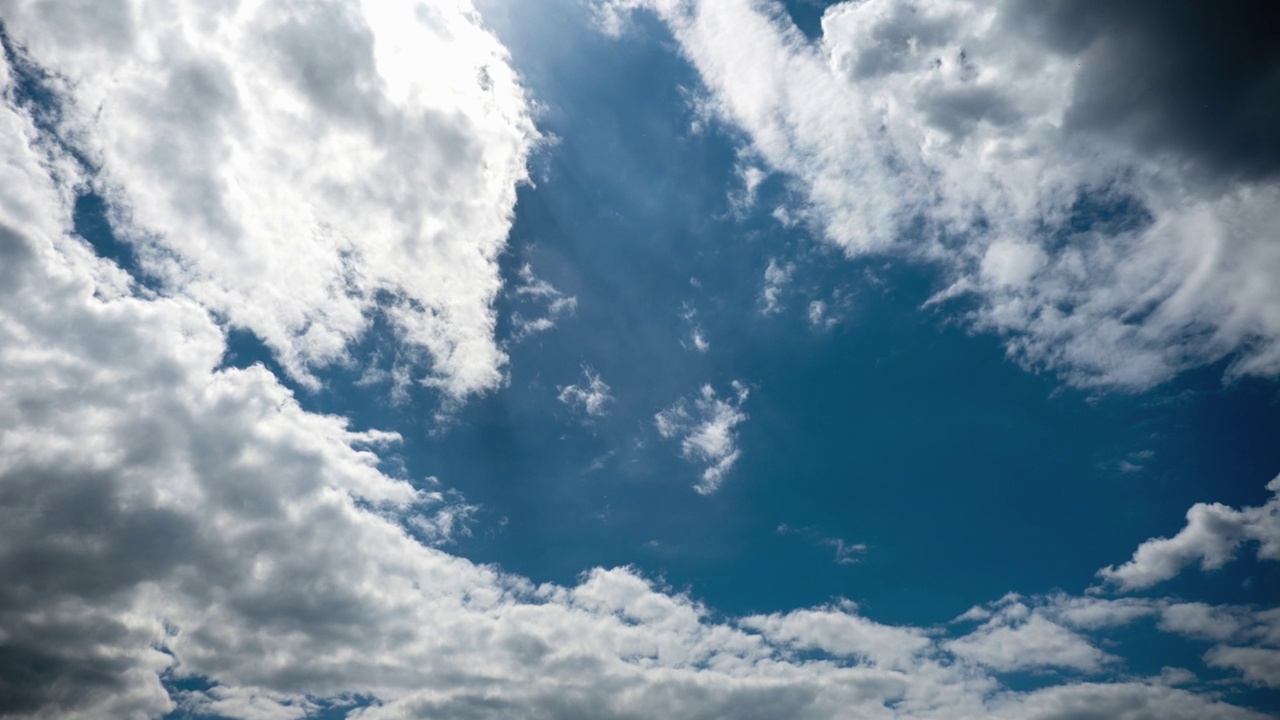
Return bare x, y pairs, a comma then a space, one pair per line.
639, 358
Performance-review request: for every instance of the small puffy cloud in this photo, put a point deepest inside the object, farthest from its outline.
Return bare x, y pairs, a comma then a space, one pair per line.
590, 397
705, 427
776, 279
1213, 534
534, 289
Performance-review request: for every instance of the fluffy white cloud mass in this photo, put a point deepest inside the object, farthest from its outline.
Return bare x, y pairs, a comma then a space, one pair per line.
172, 524
1113, 240
292, 167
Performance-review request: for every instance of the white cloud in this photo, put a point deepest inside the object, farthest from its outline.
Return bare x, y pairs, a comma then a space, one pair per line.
164, 517
533, 288
706, 428
590, 398
776, 278
1212, 537
845, 553
291, 168
841, 631
1260, 666
750, 176
953, 131
1017, 637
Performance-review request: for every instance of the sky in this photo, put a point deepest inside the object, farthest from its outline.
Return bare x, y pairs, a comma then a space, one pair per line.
625, 359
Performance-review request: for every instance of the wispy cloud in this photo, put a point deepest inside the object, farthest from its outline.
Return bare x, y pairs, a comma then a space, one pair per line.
705, 427
776, 278
1114, 245
846, 553
534, 289
590, 398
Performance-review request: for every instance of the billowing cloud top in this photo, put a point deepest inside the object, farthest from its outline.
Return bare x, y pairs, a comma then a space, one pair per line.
1112, 241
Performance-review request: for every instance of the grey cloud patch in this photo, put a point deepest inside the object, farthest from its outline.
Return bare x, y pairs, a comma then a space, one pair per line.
1198, 79
958, 110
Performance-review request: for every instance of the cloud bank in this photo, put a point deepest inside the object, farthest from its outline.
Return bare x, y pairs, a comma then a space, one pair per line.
179, 534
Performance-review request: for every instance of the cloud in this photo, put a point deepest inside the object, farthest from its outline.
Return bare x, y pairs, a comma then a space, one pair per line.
706, 428
289, 167
1212, 537
846, 553
1261, 666
776, 278
1017, 637
697, 337
1205, 76
1113, 241
535, 289
841, 631
590, 398
170, 520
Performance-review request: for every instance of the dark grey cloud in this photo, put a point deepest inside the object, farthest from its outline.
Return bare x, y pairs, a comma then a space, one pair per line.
1198, 79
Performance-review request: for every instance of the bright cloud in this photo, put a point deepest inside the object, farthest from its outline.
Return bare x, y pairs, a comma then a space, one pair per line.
290, 167
168, 519
590, 397
990, 139
1212, 537
705, 427
534, 289
776, 279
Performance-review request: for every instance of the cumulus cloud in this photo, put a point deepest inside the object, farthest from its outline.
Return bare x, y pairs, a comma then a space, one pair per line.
705, 427
1112, 240
1260, 666
590, 398
1015, 636
169, 519
1213, 535
290, 167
